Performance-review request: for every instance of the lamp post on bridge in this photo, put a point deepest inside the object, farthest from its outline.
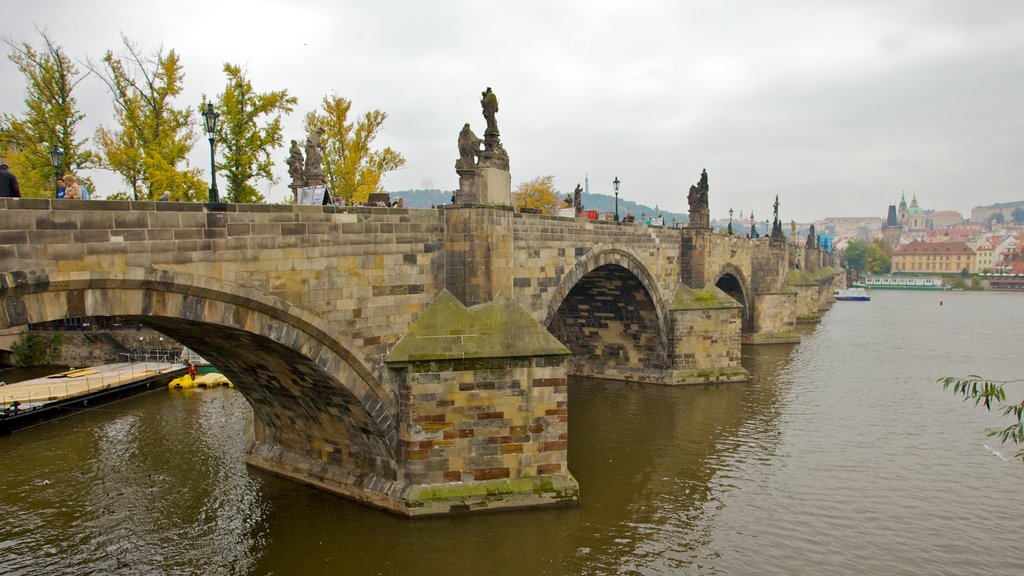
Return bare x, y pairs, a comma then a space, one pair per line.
56, 159
615, 183
730, 222
211, 116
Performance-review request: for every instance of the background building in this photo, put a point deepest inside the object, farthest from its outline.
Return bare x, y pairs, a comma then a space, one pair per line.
933, 257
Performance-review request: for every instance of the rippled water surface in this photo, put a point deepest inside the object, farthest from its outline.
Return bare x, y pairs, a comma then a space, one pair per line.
841, 456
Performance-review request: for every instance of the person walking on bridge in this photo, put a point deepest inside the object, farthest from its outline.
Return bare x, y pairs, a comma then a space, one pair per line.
8, 183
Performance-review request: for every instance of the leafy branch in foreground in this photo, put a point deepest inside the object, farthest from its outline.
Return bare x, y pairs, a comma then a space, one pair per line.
989, 392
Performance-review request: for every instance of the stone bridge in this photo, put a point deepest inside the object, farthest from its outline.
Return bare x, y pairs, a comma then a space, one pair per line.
414, 360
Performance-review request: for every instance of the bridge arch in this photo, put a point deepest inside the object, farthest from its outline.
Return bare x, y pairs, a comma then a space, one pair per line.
312, 398
730, 279
609, 312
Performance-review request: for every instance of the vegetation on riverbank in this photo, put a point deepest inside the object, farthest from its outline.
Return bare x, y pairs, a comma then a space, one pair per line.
35, 350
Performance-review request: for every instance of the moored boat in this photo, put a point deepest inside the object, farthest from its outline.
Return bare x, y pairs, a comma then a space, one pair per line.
855, 294
902, 283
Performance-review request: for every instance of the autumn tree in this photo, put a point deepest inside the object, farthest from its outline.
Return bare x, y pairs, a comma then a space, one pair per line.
868, 258
352, 168
537, 194
248, 131
51, 117
153, 137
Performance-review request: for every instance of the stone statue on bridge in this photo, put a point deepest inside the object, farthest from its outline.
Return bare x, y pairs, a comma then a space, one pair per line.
700, 216
314, 172
494, 154
469, 149
489, 102
295, 163
577, 199
483, 174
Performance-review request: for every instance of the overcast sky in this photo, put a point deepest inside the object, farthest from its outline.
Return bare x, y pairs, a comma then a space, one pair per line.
835, 106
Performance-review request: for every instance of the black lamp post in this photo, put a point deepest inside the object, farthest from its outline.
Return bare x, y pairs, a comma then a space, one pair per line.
211, 116
616, 183
56, 159
730, 221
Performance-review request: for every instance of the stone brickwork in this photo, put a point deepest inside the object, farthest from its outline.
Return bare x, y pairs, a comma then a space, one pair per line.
485, 434
612, 327
478, 252
304, 307
706, 336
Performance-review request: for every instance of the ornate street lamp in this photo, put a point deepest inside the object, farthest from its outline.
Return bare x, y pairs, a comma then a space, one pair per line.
211, 116
56, 159
730, 221
616, 183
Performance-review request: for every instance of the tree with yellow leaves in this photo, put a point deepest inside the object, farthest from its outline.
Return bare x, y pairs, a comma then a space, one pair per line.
538, 194
154, 137
351, 167
51, 117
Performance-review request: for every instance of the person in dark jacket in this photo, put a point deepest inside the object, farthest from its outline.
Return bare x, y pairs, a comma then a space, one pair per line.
8, 183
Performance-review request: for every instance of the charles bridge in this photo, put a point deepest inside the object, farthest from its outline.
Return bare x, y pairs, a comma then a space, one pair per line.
414, 359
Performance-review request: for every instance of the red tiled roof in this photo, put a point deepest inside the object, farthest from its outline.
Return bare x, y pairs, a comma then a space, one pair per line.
917, 247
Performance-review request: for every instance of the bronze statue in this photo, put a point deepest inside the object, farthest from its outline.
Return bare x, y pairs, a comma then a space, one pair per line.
489, 102
469, 148
295, 163
577, 198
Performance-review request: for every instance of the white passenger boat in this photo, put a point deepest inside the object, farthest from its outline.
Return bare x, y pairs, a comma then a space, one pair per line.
857, 294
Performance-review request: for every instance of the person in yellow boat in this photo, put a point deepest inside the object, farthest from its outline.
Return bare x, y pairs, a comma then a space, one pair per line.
191, 370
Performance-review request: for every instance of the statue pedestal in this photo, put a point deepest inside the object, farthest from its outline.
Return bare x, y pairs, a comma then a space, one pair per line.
484, 185
495, 186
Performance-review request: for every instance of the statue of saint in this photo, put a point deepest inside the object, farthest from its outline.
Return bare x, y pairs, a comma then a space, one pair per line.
314, 151
469, 148
295, 162
577, 198
698, 200
489, 102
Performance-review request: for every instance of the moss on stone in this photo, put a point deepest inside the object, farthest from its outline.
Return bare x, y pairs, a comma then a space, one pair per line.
448, 330
709, 375
556, 487
801, 278
709, 297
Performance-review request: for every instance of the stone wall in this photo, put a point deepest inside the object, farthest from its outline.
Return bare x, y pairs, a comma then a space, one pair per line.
484, 422
553, 254
368, 272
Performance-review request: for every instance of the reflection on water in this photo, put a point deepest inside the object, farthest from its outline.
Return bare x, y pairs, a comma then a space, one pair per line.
841, 456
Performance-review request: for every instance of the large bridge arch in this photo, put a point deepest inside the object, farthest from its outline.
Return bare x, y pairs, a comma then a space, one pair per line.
609, 312
731, 280
314, 401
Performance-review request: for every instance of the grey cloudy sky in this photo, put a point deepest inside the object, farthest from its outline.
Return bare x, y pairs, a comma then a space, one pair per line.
835, 106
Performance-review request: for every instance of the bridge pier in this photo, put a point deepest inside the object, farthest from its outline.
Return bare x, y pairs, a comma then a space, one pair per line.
705, 338
484, 411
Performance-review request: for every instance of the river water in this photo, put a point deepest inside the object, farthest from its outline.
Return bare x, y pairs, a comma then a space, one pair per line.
841, 456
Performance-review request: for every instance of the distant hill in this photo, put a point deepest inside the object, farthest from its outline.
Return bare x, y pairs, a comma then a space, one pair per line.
599, 202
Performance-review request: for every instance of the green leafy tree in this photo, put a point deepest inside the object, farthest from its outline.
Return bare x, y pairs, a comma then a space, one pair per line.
991, 393
153, 137
51, 117
996, 218
1018, 215
870, 258
248, 131
538, 194
352, 168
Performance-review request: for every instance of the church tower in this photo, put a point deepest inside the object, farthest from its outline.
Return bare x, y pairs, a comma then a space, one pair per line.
892, 228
